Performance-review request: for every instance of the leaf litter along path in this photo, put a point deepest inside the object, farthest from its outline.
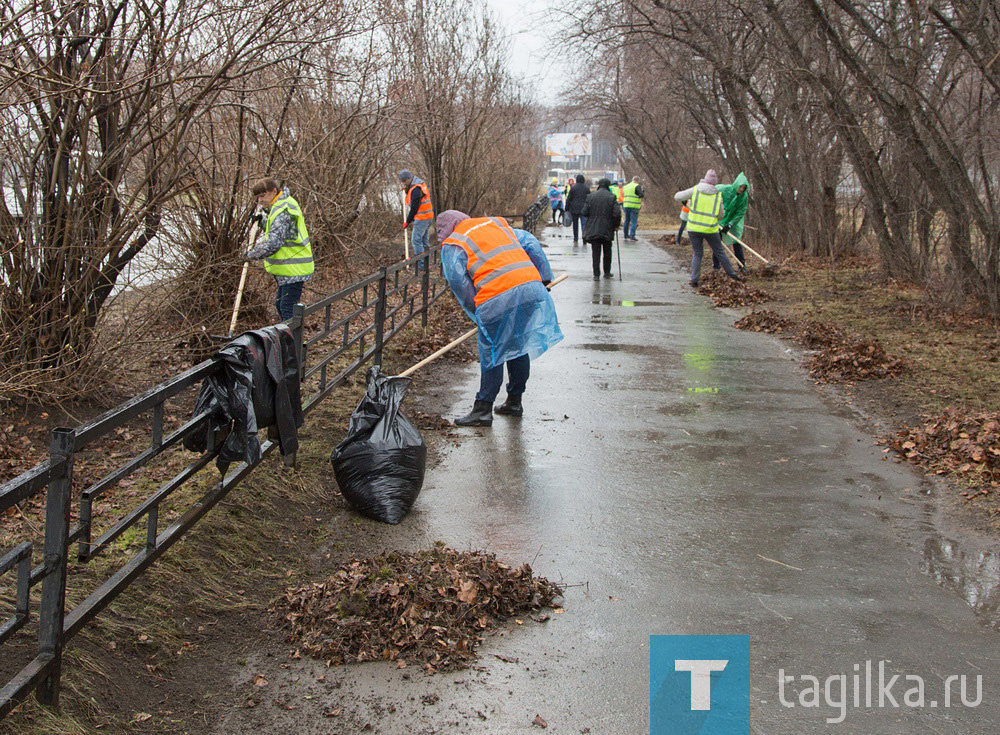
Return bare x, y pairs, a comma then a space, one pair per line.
429, 608
840, 357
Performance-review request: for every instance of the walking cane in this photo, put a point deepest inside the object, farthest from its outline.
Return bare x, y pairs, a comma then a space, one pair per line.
618, 248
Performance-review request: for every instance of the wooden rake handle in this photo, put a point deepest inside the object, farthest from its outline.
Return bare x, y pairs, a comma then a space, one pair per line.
456, 342
243, 282
766, 261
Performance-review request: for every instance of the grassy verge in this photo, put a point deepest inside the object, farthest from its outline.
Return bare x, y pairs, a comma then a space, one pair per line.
152, 661
951, 355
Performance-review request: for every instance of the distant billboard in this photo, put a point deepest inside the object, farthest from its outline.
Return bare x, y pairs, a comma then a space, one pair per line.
568, 145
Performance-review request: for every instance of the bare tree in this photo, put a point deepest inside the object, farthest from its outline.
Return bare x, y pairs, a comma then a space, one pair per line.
464, 115
100, 105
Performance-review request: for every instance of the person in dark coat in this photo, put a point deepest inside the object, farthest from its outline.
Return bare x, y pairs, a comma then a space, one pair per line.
603, 215
575, 202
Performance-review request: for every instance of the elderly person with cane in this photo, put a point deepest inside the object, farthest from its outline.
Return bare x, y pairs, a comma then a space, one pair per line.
499, 276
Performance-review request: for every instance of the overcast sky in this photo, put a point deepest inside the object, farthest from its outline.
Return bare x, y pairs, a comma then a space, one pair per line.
532, 36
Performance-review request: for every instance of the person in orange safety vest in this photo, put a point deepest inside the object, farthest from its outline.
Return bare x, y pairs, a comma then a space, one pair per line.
499, 276
419, 210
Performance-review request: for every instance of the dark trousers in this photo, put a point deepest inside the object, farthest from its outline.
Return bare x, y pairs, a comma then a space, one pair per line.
697, 251
490, 380
680, 230
737, 251
595, 253
288, 296
578, 221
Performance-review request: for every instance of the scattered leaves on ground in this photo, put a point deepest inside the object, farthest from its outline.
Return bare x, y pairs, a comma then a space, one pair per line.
430, 607
955, 443
840, 357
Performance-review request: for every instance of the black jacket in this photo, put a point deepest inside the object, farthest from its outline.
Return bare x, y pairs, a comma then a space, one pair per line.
577, 198
603, 214
258, 387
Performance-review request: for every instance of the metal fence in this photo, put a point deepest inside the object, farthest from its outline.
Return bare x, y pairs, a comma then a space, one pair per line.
335, 337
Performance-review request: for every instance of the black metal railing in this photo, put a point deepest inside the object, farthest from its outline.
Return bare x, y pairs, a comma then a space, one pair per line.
533, 212
334, 338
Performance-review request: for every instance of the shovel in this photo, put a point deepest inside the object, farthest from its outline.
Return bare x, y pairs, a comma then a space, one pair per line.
239, 291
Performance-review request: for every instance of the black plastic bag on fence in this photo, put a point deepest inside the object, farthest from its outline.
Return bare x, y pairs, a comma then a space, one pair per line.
380, 463
257, 388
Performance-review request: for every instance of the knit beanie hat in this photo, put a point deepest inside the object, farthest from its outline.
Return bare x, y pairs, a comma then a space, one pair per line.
446, 222
405, 175
710, 177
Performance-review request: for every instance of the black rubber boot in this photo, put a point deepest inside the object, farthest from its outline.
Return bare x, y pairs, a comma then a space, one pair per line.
511, 407
481, 415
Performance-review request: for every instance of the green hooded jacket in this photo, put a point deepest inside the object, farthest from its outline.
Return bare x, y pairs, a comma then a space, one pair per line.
735, 204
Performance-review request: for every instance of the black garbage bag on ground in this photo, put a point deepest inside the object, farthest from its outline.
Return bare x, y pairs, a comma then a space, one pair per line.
380, 463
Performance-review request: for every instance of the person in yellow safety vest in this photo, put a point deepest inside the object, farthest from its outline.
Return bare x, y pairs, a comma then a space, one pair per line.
706, 209
631, 203
499, 277
285, 245
420, 210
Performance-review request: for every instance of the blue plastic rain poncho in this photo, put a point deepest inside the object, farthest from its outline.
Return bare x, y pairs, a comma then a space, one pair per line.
519, 321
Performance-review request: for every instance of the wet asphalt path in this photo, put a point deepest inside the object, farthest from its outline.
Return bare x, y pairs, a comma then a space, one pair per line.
684, 477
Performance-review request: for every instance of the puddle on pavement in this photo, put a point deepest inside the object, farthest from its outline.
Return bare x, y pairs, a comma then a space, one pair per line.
609, 319
608, 300
974, 573
632, 349
975, 576
680, 409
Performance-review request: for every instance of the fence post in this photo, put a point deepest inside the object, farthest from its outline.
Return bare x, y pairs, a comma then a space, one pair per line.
380, 315
53, 603
299, 335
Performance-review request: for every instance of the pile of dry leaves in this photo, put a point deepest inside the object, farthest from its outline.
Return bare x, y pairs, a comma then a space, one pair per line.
853, 359
840, 357
956, 442
727, 292
429, 607
765, 321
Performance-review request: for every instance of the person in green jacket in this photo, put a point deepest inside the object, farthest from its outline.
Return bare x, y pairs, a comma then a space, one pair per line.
735, 197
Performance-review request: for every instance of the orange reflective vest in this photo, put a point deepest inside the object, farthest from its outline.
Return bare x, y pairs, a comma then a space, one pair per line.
497, 262
426, 209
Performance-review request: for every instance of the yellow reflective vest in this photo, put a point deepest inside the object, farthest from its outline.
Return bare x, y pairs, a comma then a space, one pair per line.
632, 200
705, 211
295, 257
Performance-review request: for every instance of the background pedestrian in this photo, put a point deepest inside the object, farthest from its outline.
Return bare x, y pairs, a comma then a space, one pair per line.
574, 206
632, 203
604, 217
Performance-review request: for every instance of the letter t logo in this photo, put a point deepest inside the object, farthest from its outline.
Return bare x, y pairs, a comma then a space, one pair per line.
701, 680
